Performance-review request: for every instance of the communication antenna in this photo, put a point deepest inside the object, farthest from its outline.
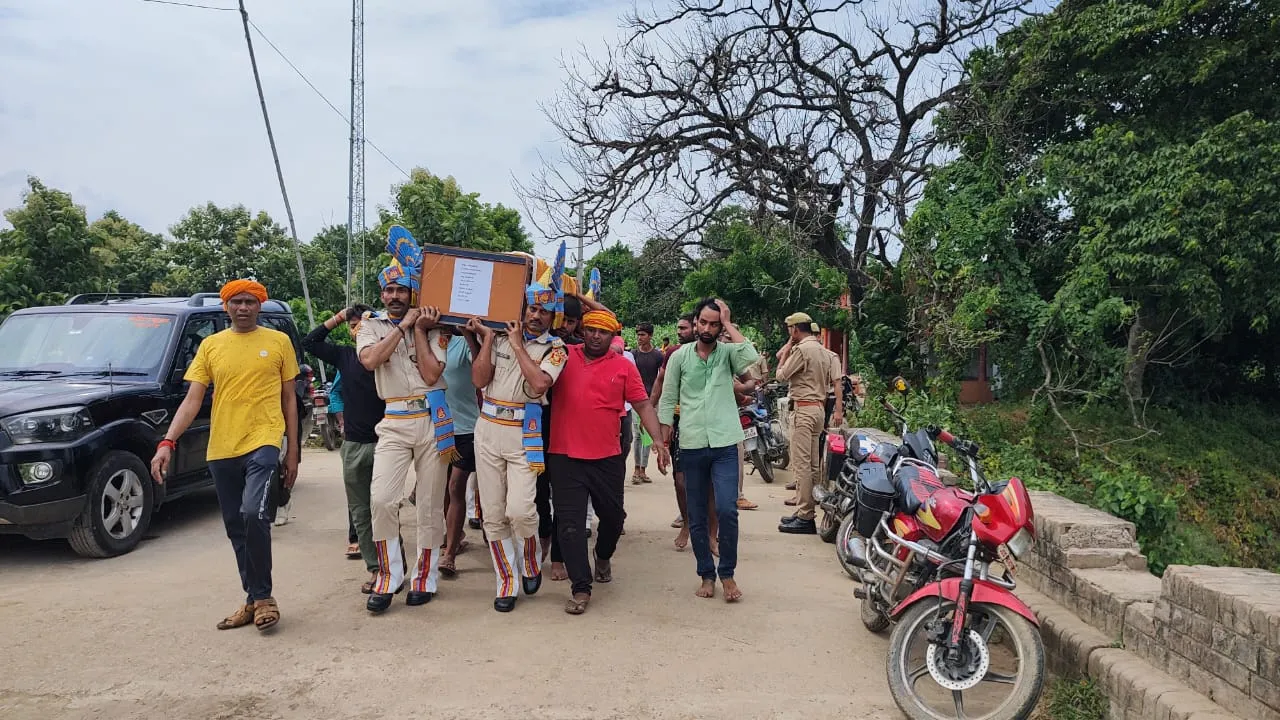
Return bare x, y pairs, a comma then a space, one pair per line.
355, 159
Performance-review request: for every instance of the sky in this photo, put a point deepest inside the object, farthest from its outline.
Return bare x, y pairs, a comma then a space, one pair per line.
150, 109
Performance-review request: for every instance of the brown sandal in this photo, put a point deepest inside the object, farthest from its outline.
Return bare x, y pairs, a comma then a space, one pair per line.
239, 618
448, 567
604, 570
266, 614
574, 606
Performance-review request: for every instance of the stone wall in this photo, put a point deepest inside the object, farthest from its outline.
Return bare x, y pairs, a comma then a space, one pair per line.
1203, 642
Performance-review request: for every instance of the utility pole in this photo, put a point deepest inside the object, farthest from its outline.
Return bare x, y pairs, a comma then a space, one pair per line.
355, 156
275, 156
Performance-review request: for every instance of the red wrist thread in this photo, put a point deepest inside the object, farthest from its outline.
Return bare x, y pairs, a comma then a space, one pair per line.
167, 443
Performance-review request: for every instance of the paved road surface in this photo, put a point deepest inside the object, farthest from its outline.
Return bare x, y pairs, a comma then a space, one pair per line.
134, 637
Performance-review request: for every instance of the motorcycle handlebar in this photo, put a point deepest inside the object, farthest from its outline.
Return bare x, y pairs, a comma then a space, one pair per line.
966, 447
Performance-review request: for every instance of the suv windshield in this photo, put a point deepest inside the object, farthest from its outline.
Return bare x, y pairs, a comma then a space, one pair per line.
48, 344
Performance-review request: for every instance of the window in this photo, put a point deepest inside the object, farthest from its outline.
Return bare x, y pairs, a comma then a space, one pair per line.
197, 330
83, 343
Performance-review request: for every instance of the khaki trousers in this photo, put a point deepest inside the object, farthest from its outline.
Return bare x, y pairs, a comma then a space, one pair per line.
403, 443
806, 428
507, 486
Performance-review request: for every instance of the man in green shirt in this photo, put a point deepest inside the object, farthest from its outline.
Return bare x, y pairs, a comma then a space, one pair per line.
699, 378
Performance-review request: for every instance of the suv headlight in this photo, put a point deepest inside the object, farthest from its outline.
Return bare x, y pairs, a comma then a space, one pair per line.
60, 425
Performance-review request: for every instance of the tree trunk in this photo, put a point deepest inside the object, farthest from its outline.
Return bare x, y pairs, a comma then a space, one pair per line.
1137, 353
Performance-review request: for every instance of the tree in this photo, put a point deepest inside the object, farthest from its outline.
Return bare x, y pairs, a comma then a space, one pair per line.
1112, 209
130, 258
764, 276
438, 212
813, 114
213, 245
48, 252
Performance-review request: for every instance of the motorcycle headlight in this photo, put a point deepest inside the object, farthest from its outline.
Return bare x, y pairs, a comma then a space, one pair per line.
60, 425
1020, 544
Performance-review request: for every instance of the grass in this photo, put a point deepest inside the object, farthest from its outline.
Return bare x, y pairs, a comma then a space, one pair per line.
1067, 699
1202, 487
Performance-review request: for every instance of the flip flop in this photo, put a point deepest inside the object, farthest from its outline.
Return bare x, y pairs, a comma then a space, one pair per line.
448, 568
576, 607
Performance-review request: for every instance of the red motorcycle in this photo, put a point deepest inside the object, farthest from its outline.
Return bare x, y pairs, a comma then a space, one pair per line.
962, 646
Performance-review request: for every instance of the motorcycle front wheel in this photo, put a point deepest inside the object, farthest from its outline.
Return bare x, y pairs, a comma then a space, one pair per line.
828, 527
845, 533
763, 467
999, 675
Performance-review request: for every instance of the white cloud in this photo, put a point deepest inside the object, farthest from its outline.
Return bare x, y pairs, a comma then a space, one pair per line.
150, 109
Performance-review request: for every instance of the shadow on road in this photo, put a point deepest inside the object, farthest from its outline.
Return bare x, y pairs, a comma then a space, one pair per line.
173, 518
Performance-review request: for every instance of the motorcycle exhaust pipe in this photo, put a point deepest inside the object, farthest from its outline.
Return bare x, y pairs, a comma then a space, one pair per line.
856, 551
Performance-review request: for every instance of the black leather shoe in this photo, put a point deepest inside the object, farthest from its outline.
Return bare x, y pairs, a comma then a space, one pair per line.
379, 602
474, 523
531, 584
418, 598
504, 604
796, 526
786, 519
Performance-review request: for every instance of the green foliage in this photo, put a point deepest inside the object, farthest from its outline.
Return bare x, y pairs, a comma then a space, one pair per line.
1130, 495
761, 272
438, 212
1074, 699
48, 253
1113, 202
1202, 489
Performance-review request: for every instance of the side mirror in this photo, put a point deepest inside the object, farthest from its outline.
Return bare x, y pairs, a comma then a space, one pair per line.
901, 385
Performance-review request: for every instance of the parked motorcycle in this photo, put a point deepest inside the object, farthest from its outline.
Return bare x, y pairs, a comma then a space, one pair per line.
843, 453
926, 566
325, 425
766, 445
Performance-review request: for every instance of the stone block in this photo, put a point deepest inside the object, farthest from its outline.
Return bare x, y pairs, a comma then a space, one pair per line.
1269, 665
1181, 704
1189, 623
1067, 524
1104, 558
1265, 692
1139, 620
1232, 597
1240, 649
1238, 702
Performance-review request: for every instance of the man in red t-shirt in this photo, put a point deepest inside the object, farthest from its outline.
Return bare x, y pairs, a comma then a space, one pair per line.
586, 460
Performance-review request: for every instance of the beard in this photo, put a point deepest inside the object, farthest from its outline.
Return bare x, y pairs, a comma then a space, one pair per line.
707, 338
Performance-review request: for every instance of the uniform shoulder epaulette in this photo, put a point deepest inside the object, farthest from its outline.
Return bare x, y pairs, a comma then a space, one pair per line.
557, 342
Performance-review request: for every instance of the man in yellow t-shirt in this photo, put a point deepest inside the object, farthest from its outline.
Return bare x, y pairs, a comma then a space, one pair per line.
252, 370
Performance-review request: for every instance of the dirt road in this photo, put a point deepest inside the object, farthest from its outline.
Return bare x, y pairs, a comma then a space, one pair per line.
134, 637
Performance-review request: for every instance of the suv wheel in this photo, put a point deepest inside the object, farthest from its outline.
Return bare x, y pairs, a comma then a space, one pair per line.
119, 507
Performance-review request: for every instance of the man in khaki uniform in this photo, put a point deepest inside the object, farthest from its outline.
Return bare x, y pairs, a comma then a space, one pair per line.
516, 369
406, 353
805, 365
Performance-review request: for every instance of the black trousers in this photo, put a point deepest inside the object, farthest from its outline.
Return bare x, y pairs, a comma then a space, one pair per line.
248, 503
546, 517
573, 483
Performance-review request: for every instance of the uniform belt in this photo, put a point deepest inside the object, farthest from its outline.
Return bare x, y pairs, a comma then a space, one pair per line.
407, 407
501, 411
807, 403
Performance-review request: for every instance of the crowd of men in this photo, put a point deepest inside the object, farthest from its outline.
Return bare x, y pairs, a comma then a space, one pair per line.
542, 414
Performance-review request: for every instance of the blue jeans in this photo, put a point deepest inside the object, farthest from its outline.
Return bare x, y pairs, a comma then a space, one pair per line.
707, 469
248, 507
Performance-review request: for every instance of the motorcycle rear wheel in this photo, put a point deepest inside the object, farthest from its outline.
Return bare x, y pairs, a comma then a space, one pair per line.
330, 436
905, 674
763, 467
828, 527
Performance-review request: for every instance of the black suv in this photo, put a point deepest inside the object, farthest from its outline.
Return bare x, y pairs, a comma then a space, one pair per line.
87, 390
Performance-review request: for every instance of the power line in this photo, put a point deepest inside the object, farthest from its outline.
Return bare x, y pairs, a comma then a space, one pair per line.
189, 5
300, 74
325, 99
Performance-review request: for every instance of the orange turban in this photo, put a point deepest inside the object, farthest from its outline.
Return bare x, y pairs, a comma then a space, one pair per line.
237, 287
601, 320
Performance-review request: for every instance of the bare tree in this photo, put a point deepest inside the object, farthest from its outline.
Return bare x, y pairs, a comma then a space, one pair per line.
816, 113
